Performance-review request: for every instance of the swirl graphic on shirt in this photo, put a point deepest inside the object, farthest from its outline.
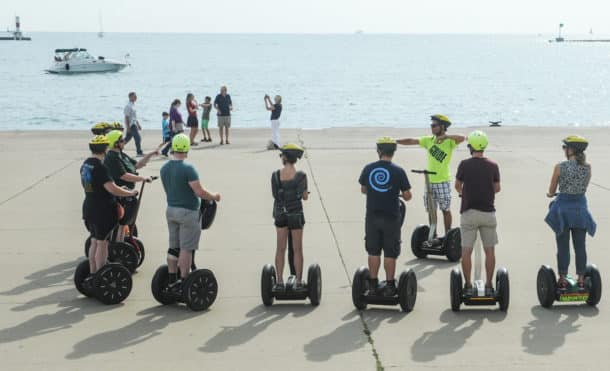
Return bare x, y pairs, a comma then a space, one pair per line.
379, 179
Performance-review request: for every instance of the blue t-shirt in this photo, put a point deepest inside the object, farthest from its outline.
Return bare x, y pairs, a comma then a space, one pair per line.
176, 175
165, 128
383, 181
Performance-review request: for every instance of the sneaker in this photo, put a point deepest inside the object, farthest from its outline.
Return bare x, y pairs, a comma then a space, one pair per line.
140, 155
279, 286
389, 289
373, 284
88, 283
468, 291
175, 288
489, 291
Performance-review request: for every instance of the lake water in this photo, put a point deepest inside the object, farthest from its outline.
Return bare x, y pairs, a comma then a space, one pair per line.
325, 80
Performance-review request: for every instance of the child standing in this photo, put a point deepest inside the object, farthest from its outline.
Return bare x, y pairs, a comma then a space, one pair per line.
167, 133
205, 119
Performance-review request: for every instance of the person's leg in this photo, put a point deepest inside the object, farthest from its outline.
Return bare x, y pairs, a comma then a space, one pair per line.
280, 252
374, 264
221, 132
128, 135
227, 134
373, 246
580, 252
92, 253
101, 254
174, 244
490, 264
447, 219
209, 134
185, 259
275, 132
168, 145
389, 265
193, 133
468, 232
137, 139
563, 253
467, 264
297, 246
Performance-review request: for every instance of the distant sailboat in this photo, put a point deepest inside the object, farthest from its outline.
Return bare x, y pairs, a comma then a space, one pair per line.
101, 33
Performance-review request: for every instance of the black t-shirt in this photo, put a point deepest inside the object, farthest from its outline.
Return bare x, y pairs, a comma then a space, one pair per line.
277, 111
119, 164
93, 176
224, 104
478, 176
287, 195
383, 181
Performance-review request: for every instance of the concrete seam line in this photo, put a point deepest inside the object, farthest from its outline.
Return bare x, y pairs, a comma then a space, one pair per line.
33, 185
366, 330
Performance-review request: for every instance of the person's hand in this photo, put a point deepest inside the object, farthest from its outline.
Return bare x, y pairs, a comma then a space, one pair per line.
217, 197
550, 195
441, 138
134, 193
148, 179
266, 96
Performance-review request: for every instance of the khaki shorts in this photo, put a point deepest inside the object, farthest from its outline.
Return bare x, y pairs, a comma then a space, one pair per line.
473, 221
224, 121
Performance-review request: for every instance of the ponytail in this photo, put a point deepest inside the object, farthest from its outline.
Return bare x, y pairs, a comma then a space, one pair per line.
581, 158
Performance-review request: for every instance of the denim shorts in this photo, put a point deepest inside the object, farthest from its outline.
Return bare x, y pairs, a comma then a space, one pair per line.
184, 228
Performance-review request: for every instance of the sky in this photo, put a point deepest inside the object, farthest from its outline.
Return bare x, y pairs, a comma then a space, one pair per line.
309, 16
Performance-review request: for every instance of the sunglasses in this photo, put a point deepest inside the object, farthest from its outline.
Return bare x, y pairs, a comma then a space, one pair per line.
564, 146
434, 125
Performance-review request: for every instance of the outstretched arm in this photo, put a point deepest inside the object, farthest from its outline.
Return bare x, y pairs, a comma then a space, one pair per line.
408, 141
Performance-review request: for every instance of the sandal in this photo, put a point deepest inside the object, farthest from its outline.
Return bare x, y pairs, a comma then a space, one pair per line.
562, 283
581, 282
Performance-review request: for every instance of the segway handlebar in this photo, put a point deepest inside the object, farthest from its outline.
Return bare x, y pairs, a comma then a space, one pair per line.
426, 172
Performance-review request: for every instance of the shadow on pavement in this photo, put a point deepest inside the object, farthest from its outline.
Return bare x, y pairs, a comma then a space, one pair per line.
57, 275
458, 328
261, 318
73, 310
426, 267
350, 336
155, 319
550, 327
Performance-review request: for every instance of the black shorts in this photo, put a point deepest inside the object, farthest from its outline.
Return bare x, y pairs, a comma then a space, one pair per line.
100, 229
382, 233
192, 122
290, 221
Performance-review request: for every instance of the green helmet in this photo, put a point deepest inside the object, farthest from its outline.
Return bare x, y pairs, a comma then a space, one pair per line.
113, 137
477, 140
181, 143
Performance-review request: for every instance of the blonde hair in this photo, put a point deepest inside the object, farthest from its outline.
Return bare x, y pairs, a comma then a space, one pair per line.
278, 99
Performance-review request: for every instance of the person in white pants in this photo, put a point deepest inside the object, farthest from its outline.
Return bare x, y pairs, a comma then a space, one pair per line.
276, 111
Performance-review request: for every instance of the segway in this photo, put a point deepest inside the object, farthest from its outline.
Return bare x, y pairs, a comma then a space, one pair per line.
424, 240
129, 252
199, 289
548, 291
478, 296
363, 294
111, 284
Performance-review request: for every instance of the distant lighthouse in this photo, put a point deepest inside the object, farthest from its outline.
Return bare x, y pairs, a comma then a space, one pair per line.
16, 35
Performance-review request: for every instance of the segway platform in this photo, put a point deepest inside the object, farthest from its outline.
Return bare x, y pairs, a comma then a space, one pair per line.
363, 294
198, 291
291, 291
549, 292
499, 295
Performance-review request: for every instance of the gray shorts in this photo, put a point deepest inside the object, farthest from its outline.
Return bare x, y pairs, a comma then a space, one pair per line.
184, 228
473, 221
224, 121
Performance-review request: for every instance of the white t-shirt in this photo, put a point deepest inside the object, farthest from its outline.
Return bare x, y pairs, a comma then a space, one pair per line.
130, 113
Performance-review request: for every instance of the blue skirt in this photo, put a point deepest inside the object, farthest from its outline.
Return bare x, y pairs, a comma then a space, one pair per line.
570, 211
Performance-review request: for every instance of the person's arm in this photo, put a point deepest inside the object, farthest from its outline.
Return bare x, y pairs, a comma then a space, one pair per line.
459, 186
406, 195
405, 186
117, 191
132, 178
496, 180
303, 188
363, 189
456, 138
140, 164
554, 181
203, 193
497, 187
408, 141
230, 103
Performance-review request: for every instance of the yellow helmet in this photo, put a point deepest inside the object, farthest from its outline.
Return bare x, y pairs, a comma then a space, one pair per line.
181, 143
117, 126
441, 119
576, 142
386, 145
98, 144
113, 137
292, 150
100, 128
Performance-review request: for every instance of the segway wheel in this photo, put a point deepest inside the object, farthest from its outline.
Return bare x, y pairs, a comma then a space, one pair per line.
455, 289
82, 272
124, 254
314, 284
453, 245
359, 286
200, 290
419, 236
87, 246
595, 284
112, 283
407, 290
546, 286
139, 245
268, 280
503, 287
159, 283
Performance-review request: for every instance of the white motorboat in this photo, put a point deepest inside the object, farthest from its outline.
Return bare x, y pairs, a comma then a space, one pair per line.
78, 60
